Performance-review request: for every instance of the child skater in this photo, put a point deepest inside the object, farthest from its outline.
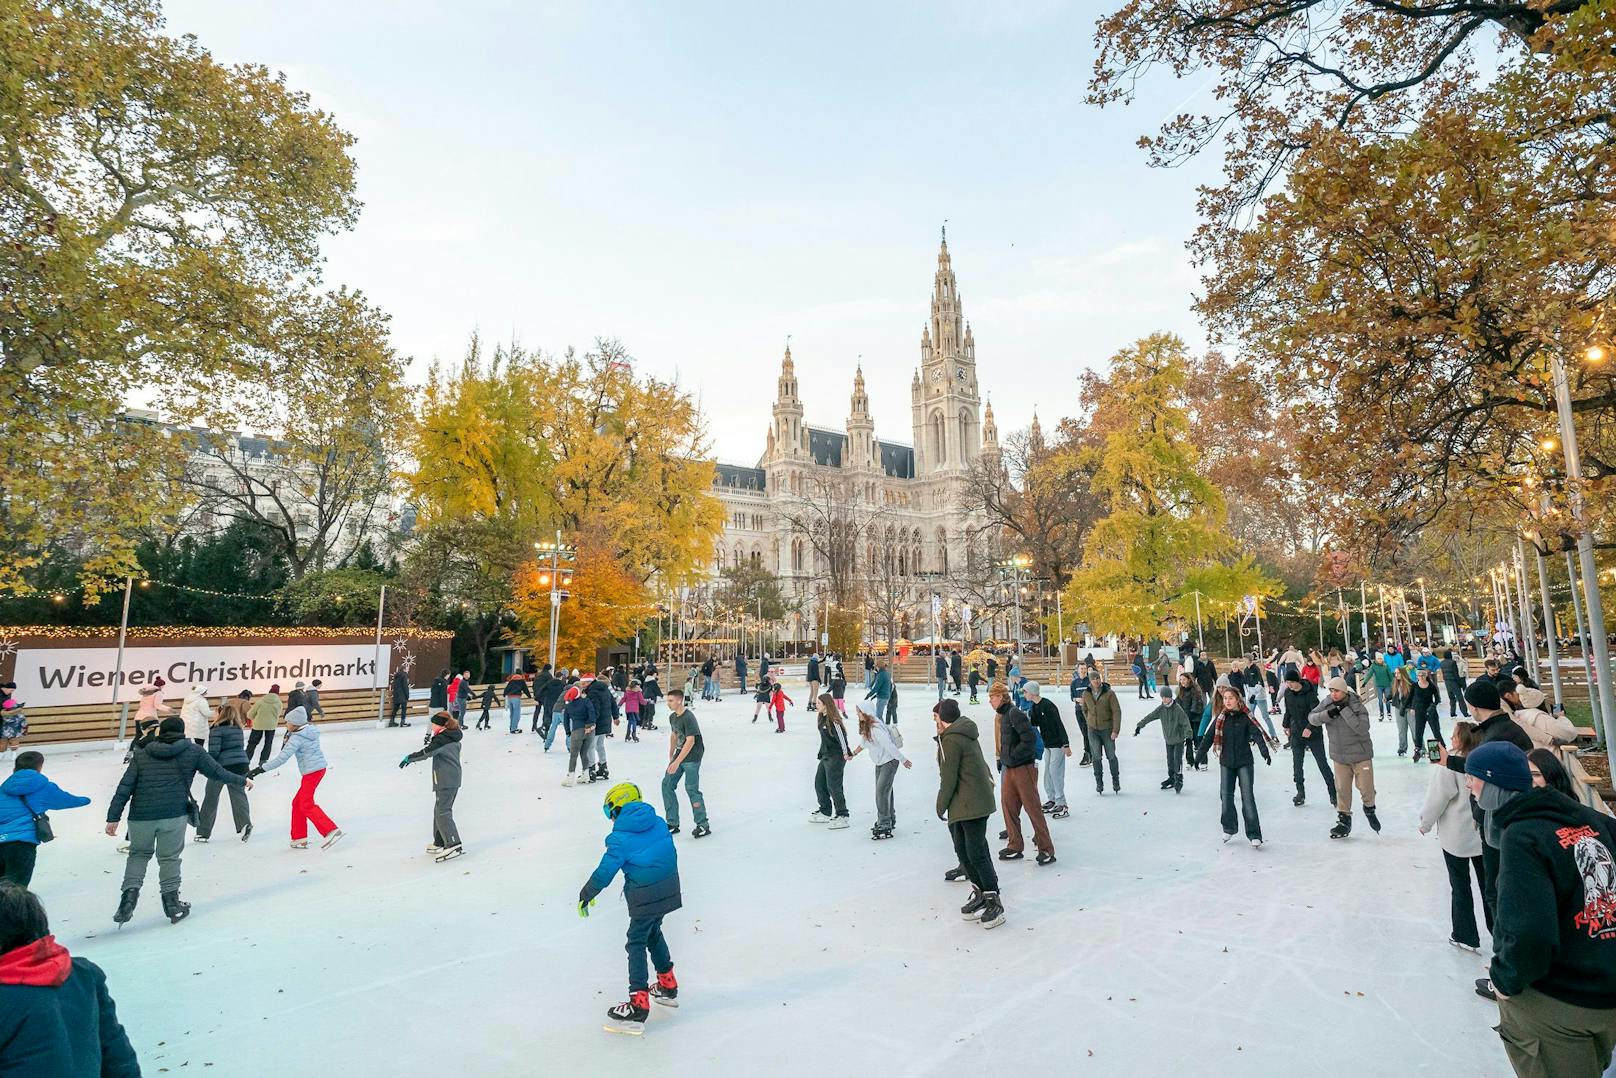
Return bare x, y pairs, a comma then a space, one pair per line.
483, 722
762, 698
641, 847
1231, 736
303, 741
633, 697
443, 748
974, 679
1175, 725
778, 700
886, 752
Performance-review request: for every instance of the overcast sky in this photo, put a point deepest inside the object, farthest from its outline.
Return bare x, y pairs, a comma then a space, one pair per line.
703, 179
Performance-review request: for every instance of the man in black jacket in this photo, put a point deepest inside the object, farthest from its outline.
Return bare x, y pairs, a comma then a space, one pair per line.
438, 700
955, 669
401, 698
157, 788
1554, 943
1300, 699
1453, 679
56, 1016
1018, 767
549, 696
1057, 747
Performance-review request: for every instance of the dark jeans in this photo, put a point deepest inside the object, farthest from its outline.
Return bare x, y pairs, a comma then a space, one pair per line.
645, 935
1082, 726
1175, 761
1421, 718
268, 737
1456, 701
401, 709
1464, 905
17, 862
1101, 746
1248, 801
971, 847
828, 785
1300, 747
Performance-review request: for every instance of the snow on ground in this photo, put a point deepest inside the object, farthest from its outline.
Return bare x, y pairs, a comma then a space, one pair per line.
1150, 947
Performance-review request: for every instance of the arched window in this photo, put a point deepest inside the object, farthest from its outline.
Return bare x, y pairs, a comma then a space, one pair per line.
942, 550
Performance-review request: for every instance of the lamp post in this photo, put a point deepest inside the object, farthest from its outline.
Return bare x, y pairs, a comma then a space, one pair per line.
1013, 567
1425, 612
1548, 619
558, 580
1585, 538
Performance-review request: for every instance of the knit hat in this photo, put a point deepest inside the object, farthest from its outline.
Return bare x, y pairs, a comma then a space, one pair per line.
1483, 693
1530, 697
1032, 688
298, 716
1500, 763
1338, 684
1166, 692
171, 725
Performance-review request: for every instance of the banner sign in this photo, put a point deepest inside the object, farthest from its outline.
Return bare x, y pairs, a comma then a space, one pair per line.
64, 677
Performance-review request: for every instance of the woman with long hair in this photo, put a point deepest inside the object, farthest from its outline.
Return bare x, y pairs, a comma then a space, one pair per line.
834, 752
886, 753
1547, 770
1402, 705
226, 744
1231, 735
1447, 810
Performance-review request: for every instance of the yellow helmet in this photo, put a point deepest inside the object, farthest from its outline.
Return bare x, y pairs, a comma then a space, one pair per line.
624, 793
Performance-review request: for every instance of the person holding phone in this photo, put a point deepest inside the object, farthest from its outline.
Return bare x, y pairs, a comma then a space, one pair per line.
1447, 811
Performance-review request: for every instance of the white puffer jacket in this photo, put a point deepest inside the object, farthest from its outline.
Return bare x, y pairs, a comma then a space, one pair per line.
197, 714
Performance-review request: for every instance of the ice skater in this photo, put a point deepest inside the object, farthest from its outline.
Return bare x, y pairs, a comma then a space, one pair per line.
303, 742
226, 744
13, 723
685, 750
778, 700
965, 803
1300, 700
1017, 749
641, 847
443, 749
886, 753
1231, 736
578, 719
834, 752
483, 721
633, 699
1046, 717
763, 697
1175, 727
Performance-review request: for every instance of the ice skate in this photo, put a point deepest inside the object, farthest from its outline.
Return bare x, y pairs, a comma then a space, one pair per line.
1007, 854
819, 817
1374, 821
246, 833
838, 822
449, 853
630, 1017
434, 849
972, 910
1256, 843
879, 833
701, 831
1049, 806
1044, 859
1299, 799
199, 838
666, 989
175, 910
1343, 825
1464, 946
673, 829
992, 910
300, 844
126, 906
955, 874
568, 780
331, 839
1167, 784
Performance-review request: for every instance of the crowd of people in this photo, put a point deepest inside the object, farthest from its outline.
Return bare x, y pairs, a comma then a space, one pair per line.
1498, 799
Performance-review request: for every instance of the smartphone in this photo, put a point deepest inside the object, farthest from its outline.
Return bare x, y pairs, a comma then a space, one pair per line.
1433, 750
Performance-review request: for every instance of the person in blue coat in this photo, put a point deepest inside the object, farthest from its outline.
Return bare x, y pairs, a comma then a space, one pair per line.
26, 793
57, 1019
642, 849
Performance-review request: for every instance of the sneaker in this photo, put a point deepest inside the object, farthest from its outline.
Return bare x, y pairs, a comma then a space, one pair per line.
331, 839
568, 781
300, 844
1007, 854
819, 817
838, 823
972, 910
666, 990
1044, 859
630, 1017
955, 874
992, 910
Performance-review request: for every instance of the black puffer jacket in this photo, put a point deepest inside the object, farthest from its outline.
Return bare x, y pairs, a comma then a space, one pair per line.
1239, 734
157, 783
1298, 704
1018, 747
226, 744
1556, 926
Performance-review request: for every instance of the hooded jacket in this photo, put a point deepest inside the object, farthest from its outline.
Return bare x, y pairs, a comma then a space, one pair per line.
157, 783
266, 713
1447, 809
24, 793
642, 849
1347, 725
965, 785
1018, 745
304, 743
57, 1019
443, 749
1544, 729
197, 714
1556, 925
602, 704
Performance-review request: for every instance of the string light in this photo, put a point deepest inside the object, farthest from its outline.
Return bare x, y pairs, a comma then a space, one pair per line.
213, 632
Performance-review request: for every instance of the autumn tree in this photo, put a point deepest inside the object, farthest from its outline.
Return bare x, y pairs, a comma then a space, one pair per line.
840, 528
1164, 518
1038, 497
158, 208
605, 602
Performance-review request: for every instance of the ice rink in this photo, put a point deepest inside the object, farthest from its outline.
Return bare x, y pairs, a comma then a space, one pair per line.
1149, 948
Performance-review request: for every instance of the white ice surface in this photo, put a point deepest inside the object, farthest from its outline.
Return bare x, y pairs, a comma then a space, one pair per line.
1149, 948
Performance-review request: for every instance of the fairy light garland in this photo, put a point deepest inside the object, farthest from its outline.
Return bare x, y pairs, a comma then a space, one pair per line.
215, 632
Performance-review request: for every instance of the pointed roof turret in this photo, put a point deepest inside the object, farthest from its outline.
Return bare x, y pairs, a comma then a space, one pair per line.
1035, 437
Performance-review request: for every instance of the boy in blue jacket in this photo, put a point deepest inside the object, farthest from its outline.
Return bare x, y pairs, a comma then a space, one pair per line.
24, 794
642, 848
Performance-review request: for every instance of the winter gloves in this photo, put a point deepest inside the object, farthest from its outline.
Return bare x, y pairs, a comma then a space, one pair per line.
405, 762
255, 772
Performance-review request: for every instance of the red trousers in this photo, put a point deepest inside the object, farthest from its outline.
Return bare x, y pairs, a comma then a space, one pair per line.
780, 718
304, 810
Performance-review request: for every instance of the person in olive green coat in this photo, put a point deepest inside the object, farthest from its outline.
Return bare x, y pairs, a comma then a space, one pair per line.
265, 715
965, 799
1105, 726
